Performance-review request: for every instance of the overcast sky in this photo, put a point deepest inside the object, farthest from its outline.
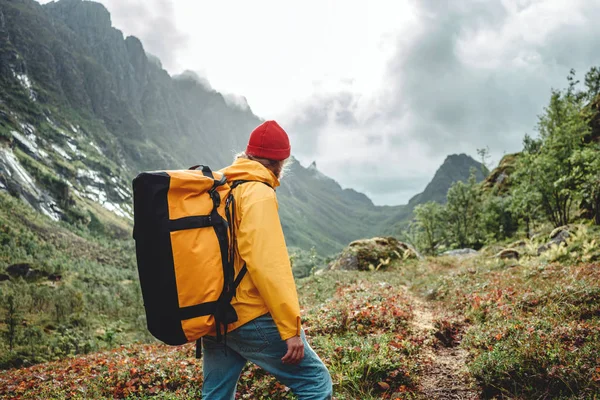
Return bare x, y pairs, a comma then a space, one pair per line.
379, 94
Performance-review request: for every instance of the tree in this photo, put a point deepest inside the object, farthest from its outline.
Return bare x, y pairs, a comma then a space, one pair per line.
498, 221
546, 172
429, 225
484, 155
67, 301
33, 336
525, 202
462, 214
586, 171
12, 319
592, 83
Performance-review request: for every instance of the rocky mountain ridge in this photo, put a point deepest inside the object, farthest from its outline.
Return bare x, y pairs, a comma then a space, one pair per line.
83, 109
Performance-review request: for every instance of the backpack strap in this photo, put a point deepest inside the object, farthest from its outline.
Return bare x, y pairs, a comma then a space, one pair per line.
206, 171
225, 313
230, 213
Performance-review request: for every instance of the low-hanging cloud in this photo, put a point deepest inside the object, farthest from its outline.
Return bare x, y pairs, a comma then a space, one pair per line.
466, 74
153, 21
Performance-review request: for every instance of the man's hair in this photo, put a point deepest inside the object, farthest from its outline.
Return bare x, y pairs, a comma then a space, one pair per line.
269, 164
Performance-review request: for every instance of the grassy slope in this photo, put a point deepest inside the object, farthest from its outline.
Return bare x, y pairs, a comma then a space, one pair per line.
95, 304
532, 329
316, 212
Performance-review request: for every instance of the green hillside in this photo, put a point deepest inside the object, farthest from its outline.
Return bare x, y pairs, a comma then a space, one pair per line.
505, 302
84, 110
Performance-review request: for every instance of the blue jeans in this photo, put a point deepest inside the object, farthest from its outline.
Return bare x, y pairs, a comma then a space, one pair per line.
258, 341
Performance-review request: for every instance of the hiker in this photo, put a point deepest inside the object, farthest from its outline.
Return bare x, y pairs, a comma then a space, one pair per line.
268, 331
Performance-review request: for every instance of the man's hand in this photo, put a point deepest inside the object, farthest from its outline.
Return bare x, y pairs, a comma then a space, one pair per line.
295, 352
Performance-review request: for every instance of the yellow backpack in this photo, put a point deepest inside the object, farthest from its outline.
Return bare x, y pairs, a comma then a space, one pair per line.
183, 231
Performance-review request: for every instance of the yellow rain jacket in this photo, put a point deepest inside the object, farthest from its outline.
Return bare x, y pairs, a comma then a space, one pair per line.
269, 285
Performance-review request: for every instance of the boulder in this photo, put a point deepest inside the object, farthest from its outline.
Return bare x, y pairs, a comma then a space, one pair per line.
558, 236
561, 230
508, 254
372, 254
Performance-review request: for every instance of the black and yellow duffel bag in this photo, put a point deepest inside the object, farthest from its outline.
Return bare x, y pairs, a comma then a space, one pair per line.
184, 249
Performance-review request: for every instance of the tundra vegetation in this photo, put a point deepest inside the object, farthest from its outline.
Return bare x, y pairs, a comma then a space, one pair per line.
523, 305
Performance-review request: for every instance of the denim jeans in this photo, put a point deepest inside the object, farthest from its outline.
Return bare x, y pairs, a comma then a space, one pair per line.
258, 341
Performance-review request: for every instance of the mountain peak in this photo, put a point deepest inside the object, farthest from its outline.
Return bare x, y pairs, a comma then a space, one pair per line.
462, 157
95, 15
456, 167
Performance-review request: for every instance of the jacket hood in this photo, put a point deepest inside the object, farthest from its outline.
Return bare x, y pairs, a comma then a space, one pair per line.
248, 170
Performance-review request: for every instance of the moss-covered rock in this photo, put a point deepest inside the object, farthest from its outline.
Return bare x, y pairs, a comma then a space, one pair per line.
372, 254
498, 181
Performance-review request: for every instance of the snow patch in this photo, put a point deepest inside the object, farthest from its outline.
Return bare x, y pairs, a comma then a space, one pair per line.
16, 171
24, 79
26, 83
29, 143
95, 146
117, 209
124, 195
51, 211
73, 128
10, 165
28, 129
62, 152
98, 195
74, 148
94, 176
2, 186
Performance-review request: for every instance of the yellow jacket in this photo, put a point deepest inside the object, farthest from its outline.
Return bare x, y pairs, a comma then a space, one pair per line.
269, 285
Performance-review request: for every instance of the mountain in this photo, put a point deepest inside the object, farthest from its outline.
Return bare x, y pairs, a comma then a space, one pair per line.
317, 212
76, 65
456, 167
83, 109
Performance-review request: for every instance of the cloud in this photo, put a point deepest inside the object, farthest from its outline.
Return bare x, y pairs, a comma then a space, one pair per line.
235, 100
197, 77
466, 74
154, 23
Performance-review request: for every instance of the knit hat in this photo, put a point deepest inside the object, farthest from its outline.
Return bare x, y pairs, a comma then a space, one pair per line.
269, 141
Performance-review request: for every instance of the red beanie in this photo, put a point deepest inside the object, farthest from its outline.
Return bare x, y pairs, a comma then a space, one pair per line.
269, 141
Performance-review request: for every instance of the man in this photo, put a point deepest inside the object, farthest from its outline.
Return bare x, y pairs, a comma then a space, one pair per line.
268, 331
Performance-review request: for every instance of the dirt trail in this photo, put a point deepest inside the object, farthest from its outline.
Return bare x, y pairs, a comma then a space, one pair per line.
444, 374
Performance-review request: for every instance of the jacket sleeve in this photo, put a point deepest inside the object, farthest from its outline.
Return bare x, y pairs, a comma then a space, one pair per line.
261, 245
